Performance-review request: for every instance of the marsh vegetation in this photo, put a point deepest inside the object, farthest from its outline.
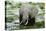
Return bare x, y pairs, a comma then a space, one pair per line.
12, 16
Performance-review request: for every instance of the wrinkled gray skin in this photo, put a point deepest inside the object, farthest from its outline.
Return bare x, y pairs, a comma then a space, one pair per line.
25, 11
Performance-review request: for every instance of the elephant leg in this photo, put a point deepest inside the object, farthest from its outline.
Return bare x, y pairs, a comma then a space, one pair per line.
29, 20
33, 21
20, 18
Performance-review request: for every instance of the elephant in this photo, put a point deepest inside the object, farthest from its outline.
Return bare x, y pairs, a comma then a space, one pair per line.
27, 14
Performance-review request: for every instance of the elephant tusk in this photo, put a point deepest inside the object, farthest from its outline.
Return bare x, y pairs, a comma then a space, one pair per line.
26, 22
21, 22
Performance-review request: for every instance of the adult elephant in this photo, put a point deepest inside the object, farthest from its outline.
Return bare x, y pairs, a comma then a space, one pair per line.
27, 14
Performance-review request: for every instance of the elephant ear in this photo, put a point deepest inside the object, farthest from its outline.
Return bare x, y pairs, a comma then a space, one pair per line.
34, 11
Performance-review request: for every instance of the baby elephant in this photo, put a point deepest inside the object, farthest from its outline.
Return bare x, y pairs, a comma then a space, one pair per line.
27, 14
